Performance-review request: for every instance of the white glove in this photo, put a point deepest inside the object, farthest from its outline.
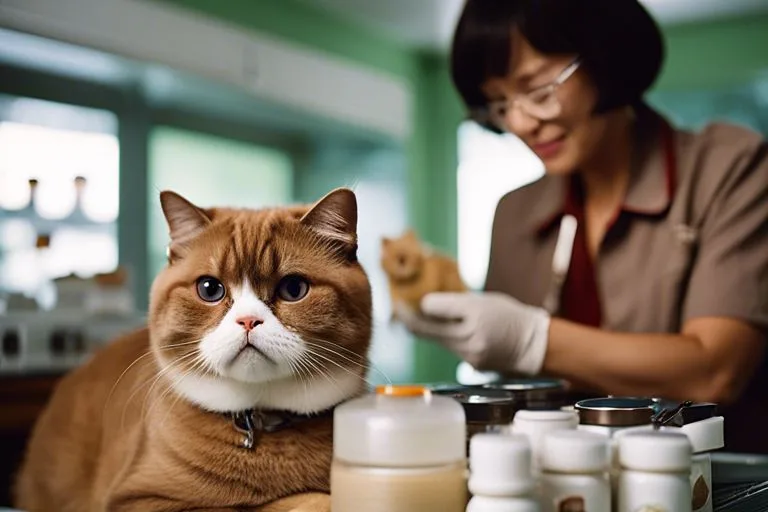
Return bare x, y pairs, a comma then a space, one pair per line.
490, 331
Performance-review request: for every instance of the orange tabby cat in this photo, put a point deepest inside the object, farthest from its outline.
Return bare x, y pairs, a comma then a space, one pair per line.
266, 311
414, 270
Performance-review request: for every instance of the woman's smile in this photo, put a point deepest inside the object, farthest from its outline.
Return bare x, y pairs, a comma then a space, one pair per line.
548, 149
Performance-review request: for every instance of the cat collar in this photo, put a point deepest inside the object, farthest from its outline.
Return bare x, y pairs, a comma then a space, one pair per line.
251, 422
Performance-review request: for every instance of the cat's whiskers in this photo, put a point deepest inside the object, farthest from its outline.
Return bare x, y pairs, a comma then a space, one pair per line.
168, 411
206, 367
182, 344
177, 377
318, 369
305, 369
168, 367
159, 399
337, 345
361, 362
296, 371
366, 363
151, 382
114, 386
135, 361
320, 366
128, 368
197, 365
180, 361
327, 359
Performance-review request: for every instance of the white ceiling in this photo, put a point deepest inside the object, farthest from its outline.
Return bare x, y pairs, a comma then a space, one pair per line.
428, 24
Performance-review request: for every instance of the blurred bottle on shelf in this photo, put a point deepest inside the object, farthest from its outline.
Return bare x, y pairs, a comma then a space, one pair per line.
77, 216
45, 295
29, 210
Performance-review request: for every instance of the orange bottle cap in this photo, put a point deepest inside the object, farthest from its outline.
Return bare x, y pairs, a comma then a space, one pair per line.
396, 390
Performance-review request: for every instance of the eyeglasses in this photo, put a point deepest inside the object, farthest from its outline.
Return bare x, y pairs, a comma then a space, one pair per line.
540, 103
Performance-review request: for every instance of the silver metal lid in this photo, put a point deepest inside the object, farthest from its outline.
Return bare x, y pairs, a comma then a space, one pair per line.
522, 385
616, 411
541, 394
481, 405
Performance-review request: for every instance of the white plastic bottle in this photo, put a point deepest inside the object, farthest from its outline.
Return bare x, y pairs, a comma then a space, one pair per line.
401, 448
575, 472
655, 473
535, 424
500, 474
705, 436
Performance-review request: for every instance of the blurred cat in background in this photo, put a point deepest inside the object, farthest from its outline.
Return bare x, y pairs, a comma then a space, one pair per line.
258, 326
414, 269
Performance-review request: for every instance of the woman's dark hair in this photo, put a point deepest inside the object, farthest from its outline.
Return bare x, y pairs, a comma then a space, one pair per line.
618, 42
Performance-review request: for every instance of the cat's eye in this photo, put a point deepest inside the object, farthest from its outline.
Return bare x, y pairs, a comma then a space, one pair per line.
292, 288
210, 289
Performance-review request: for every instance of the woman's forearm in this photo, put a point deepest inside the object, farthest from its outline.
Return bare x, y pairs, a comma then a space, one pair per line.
675, 366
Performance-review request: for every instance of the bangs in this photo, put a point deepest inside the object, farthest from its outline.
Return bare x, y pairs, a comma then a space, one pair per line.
482, 44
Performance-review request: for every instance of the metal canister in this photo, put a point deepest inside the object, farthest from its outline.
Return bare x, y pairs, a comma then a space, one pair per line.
616, 412
485, 409
534, 394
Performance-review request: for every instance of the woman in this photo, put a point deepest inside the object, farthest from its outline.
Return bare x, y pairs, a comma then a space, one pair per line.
638, 265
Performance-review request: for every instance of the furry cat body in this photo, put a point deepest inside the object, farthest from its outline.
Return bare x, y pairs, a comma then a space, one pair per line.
145, 424
414, 270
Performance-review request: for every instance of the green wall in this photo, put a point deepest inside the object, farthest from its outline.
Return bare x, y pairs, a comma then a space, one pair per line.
181, 160
715, 54
433, 187
305, 24
716, 71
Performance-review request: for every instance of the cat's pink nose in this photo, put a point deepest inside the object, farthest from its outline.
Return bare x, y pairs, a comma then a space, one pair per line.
249, 322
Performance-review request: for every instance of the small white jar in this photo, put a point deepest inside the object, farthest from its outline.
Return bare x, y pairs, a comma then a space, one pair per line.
575, 472
535, 424
493, 504
705, 436
500, 474
655, 474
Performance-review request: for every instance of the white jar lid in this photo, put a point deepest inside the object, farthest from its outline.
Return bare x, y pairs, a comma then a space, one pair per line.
571, 417
575, 451
624, 431
500, 465
400, 426
492, 504
655, 451
706, 435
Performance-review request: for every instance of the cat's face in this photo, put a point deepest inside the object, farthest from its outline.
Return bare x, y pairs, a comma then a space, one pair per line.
402, 258
255, 304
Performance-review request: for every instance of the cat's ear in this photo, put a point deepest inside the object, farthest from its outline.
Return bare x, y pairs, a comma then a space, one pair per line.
185, 221
410, 234
334, 217
385, 241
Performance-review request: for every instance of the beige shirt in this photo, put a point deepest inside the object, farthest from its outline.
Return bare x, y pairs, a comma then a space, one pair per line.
697, 249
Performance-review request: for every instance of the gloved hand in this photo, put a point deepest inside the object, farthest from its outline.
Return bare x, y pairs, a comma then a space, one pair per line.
491, 331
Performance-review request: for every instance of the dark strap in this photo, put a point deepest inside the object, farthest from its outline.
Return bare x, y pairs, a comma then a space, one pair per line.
251, 422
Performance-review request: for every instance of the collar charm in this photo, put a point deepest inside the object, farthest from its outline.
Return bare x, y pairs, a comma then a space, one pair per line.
251, 422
